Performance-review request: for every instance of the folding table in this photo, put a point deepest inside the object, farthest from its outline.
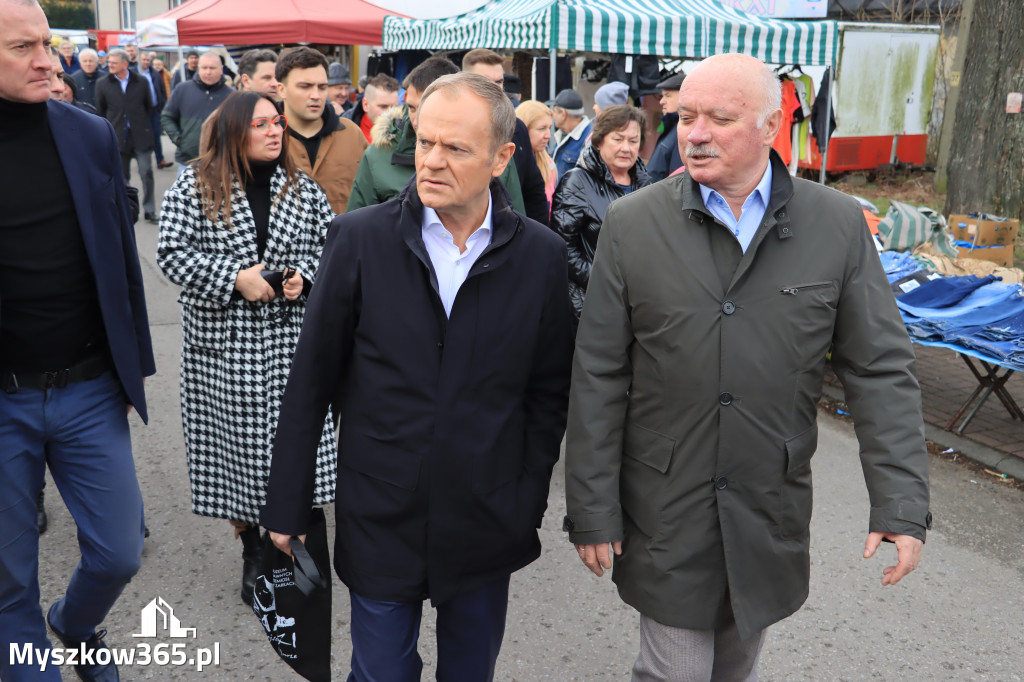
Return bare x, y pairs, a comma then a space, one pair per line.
989, 382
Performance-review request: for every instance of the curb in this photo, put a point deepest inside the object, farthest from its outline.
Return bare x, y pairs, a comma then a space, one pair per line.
990, 458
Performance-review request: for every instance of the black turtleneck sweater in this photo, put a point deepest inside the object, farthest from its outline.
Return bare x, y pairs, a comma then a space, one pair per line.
257, 191
49, 307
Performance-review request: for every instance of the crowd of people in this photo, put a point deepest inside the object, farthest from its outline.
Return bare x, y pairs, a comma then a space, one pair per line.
469, 276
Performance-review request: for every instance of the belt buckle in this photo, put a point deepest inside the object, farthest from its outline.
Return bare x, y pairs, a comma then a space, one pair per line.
58, 379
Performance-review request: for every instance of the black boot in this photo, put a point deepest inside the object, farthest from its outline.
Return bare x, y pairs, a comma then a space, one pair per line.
251, 546
41, 519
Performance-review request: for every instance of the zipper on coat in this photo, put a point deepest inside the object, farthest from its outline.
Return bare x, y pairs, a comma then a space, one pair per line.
794, 290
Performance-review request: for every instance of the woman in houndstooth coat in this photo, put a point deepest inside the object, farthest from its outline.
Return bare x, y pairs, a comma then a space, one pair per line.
240, 208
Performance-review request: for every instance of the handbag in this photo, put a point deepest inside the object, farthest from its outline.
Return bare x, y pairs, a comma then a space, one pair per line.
292, 600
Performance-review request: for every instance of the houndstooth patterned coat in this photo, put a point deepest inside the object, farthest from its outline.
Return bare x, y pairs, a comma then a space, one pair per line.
236, 354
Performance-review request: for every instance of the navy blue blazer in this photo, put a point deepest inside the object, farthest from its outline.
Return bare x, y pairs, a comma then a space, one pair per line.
92, 164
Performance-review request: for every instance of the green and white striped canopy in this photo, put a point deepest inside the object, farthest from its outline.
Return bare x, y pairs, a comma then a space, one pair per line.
666, 28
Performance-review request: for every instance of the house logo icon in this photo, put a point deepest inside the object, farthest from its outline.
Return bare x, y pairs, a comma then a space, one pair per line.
158, 616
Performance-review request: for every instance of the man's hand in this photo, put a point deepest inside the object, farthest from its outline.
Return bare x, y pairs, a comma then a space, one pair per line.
596, 557
251, 285
282, 540
908, 555
293, 286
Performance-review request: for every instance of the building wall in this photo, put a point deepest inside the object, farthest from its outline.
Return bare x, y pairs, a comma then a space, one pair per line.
109, 13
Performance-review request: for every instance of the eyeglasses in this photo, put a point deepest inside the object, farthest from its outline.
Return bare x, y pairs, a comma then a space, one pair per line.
262, 124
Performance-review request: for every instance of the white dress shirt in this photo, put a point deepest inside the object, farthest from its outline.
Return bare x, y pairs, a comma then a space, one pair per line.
450, 265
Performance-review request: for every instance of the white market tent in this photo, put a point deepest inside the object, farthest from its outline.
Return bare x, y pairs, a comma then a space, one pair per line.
668, 28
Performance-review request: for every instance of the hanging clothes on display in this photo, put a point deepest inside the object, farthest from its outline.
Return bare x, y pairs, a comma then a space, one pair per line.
823, 122
641, 72
783, 141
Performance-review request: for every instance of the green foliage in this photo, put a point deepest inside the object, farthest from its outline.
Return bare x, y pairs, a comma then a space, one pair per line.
69, 14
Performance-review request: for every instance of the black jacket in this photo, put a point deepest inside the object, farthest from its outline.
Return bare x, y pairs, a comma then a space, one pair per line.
356, 112
154, 79
535, 199
665, 158
87, 84
577, 211
133, 107
450, 427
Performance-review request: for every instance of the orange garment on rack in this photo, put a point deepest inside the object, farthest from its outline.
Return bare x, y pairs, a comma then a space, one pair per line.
783, 141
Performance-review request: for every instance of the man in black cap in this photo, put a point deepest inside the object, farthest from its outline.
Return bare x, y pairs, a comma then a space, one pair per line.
339, 87
665, 158
573, 129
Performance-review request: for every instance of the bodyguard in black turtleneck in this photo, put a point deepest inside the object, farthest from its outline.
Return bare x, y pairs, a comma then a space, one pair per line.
74, 347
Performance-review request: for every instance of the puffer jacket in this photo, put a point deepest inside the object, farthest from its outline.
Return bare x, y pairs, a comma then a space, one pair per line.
577, 211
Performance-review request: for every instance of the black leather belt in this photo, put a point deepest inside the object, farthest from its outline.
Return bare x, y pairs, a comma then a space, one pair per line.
90, 368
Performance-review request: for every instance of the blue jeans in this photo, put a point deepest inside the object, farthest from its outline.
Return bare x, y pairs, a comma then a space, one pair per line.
81, 432
470, 628
986, 304
946, 291
154, 122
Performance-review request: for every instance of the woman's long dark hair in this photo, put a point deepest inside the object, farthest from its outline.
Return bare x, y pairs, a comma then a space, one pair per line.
225, 158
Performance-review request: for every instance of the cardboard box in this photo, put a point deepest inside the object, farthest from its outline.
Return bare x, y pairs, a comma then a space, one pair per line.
1000, 255
983, 232
993, 240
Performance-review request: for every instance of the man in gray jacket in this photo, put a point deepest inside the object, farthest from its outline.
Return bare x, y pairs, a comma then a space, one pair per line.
714, 299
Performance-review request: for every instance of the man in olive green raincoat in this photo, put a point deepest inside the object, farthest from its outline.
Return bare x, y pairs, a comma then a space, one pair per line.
714, 299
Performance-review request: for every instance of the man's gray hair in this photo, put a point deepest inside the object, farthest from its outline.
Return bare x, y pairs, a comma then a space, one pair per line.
119, 53
503, 115
88, 51
772, 94
575, 113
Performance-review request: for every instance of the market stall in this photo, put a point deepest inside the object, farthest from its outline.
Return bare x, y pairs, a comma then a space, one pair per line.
685, 29
978, 314
264, 22
666, 28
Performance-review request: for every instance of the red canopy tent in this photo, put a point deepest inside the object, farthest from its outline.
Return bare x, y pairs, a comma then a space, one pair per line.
265, 22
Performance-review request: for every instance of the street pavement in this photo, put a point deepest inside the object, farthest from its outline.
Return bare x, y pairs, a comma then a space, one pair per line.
960, 616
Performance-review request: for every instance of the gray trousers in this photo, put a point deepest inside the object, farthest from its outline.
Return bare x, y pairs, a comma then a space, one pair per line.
145, 161
669, 654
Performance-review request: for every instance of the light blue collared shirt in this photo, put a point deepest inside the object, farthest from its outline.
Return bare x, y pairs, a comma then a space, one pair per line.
451, 266
148, 75
751, 214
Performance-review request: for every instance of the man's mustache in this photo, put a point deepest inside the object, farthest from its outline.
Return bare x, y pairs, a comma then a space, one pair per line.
701, 150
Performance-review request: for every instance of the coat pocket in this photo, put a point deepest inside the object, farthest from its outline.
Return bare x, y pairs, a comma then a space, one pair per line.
382, 461
646, 458
796, 496
205, 329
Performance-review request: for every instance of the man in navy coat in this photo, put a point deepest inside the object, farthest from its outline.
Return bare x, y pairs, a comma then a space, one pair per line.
74, 347
439, 328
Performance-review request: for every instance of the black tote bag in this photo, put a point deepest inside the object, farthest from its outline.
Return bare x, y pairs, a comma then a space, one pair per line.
293, 601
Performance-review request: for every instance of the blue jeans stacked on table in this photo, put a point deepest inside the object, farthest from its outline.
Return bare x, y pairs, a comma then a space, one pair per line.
978, 313
898, 265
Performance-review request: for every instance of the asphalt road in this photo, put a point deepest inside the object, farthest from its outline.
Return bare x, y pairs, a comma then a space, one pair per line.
959, 617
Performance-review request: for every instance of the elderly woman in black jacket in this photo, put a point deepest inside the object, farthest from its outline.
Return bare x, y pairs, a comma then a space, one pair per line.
609, 167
